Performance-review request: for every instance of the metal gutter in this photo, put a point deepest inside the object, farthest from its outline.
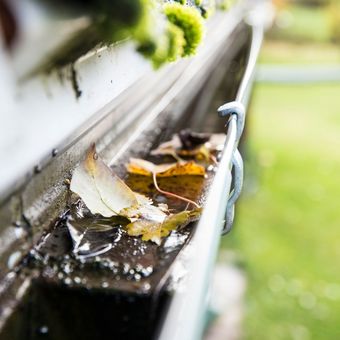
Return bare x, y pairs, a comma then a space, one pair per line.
29, 208
185, 317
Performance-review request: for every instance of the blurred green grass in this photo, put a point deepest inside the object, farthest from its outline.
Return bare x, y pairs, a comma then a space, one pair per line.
302, 23
301, 35
287, 234
287, 230
292, 53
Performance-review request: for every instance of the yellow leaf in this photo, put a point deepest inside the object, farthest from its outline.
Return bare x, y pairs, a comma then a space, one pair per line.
146, 168
153, 231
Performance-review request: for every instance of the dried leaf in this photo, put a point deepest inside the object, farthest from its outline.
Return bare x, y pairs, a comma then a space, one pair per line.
102, 191
106, 194
191, 144
151, 231
200, 153
191, 140
144, 211
169, 147
146, 168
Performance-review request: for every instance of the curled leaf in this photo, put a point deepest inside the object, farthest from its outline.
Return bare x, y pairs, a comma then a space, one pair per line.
101, 190
191, 144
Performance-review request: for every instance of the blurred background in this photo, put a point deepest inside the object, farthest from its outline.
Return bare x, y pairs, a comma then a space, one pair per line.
285, 244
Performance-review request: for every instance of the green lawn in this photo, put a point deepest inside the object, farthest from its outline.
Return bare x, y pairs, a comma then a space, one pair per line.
287, 233
305, 38
301, 24
292, 53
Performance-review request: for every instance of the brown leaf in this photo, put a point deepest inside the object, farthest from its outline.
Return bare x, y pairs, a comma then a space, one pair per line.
202, 145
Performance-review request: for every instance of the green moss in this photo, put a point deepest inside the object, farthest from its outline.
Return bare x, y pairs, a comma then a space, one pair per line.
167, 47
176, 42
189, 20
147, 48
160, 38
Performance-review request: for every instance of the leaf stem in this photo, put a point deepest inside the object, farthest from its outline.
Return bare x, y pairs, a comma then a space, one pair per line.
167, 193
213, 159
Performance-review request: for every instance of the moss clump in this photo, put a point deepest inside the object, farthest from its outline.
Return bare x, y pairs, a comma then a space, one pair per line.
176, 42
167, 47
162, 33
189, 20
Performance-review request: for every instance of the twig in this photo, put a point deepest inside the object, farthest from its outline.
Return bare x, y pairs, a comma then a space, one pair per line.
213, 159
167, 193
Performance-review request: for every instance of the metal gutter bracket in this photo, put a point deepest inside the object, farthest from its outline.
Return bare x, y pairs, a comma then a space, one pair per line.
234, 110
237, 163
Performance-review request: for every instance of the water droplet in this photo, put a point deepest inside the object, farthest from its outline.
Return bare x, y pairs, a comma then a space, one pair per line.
137, 277
138, 267
77, 280
13, 259
67, 281
146, 287
126, 268
147, 271
67, 268
19, 232
37, 169
43, 330
54, 152
49, 272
